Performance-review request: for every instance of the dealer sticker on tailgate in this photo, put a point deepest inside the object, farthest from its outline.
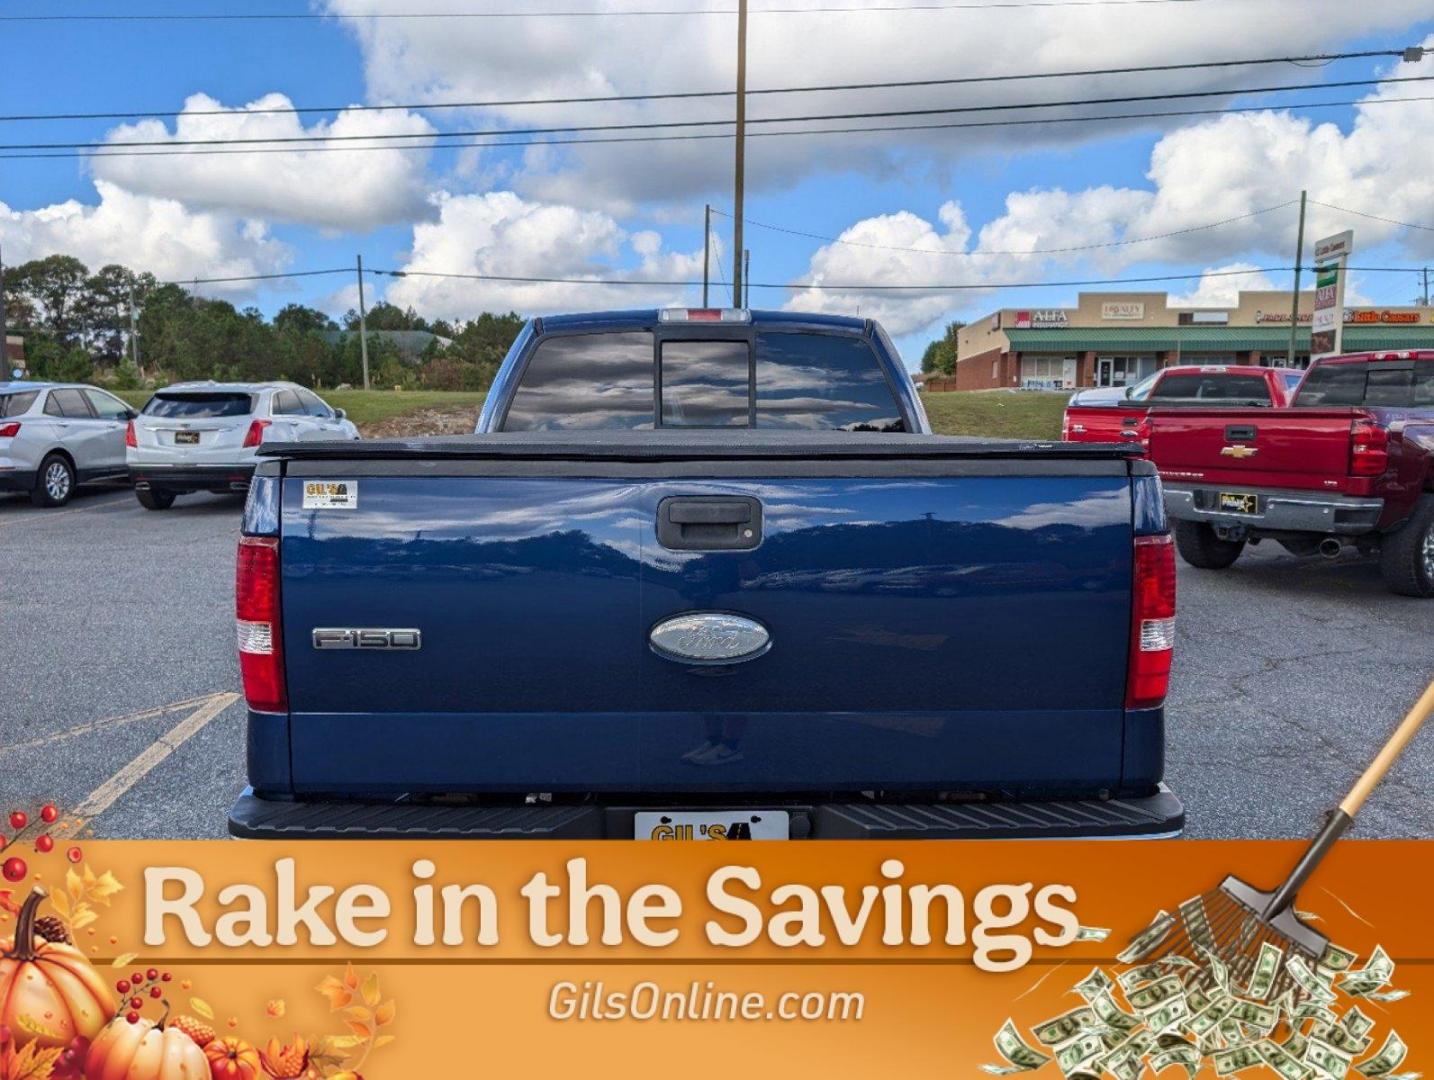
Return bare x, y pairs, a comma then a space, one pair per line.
330, 494
711, 825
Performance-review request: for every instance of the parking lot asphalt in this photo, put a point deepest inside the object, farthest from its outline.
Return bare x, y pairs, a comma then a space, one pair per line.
118, 680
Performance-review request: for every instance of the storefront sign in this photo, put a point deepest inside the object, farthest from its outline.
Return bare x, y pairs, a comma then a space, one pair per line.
1280, 317
1213, 318
1053, 319
1327, 325
1353, 315
1122, 309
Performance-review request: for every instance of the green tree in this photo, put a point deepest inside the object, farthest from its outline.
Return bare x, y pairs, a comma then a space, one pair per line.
55, 290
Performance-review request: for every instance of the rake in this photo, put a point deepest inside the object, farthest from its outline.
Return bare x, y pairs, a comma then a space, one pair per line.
1235, 920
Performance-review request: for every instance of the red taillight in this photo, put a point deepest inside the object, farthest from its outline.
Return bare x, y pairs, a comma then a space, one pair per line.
255, 435
256, 608
9, 431
1152, 623
1368, 449
1066, 426
129, 439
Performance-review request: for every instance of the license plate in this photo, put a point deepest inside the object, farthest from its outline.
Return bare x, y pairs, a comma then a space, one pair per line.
1239, 502
711, 825
186, 438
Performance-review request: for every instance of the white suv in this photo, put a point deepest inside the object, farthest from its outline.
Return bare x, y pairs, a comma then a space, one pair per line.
203, 436
55, 436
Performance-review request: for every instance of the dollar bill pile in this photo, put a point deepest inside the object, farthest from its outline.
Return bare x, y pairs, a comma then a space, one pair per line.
1194, 1011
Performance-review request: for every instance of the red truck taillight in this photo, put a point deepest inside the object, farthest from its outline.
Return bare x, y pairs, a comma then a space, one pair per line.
1368, 449
256, 608
1152, 629
9, 431
129, 439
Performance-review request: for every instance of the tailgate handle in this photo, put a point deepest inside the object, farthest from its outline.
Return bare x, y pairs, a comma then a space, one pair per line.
709, 523
1239, 432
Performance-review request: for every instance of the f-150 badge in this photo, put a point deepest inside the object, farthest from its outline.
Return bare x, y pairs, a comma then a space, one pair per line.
709, 637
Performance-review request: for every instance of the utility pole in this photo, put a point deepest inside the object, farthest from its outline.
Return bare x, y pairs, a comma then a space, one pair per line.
363, 325
739, 182
1295, 296
746, 277
2, 299
134, 333
706, 249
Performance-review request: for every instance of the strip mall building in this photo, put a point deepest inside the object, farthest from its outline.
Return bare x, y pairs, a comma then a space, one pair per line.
1114, 339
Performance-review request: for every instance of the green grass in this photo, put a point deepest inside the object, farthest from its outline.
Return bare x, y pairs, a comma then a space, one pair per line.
369, 406
1001, 414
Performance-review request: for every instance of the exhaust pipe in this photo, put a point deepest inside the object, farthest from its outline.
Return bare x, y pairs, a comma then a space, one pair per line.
1330, 548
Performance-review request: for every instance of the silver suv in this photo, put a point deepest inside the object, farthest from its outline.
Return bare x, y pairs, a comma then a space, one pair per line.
203, 436
56, 436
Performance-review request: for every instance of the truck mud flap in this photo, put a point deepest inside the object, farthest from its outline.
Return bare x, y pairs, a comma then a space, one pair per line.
1158, 815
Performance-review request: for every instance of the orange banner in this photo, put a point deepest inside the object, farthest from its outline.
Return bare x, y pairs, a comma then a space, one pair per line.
447, 959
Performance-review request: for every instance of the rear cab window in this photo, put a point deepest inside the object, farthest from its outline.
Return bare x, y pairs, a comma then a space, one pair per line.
1395, 384
792, 379
1212, 386
199, 405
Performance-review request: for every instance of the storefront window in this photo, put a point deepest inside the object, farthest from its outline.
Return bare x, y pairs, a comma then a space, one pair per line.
1048, 372
1123, 370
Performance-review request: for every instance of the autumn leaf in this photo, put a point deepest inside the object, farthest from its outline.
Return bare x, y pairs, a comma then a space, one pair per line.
7, 902
363, 1031
339, 1042
202, 1007
123, 960
384, 1014
276, 1008
383, 1040
61, 903
337, 993
351, 979
359, 1013
33, 1063
371, 993
74, 885
103, 888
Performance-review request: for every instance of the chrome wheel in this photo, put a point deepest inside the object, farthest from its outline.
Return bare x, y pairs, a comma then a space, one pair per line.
57, 481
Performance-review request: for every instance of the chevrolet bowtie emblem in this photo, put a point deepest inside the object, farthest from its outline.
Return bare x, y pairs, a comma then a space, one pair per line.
1239, 451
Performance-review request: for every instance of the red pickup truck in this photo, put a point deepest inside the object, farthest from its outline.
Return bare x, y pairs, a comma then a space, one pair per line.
1123, 419
1351, 462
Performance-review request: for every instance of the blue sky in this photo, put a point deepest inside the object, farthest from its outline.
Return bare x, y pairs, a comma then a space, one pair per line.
635, 211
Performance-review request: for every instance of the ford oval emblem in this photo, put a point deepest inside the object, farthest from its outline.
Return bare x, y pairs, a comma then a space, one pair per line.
709, 637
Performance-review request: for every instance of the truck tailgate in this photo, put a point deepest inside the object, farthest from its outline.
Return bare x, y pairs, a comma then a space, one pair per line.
942, 615
1286, 448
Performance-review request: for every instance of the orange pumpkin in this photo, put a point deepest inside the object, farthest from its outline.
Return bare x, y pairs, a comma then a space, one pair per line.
144, 1050
232, 1058
49, 993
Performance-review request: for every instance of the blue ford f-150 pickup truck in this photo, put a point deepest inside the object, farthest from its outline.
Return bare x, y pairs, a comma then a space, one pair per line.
704, 574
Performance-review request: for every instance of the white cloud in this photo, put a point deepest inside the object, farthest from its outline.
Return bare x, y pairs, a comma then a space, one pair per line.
326, 186
1220, 286
142, 232
501, 233
485, 60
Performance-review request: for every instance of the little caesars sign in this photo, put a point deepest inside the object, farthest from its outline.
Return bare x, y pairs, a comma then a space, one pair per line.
1327, 325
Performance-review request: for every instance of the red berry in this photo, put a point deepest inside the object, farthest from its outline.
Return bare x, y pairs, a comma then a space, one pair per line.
15, 869
136, 1003
74, 854
152, 974
137, 978
155, 991
166, 977
49, 814
122, 986
132, 1017
19, 819
44, 843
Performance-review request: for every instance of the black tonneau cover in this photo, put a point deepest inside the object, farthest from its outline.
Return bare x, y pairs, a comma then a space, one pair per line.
693, 446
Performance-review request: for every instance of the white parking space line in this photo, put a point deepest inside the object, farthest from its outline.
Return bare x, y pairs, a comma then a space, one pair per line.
104, 796
36, 515
107, 722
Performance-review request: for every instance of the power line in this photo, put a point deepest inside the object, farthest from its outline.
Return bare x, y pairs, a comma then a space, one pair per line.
660, 124
697, 94
850, 9
691, 137
259, 277
1356, 213
1027, 251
